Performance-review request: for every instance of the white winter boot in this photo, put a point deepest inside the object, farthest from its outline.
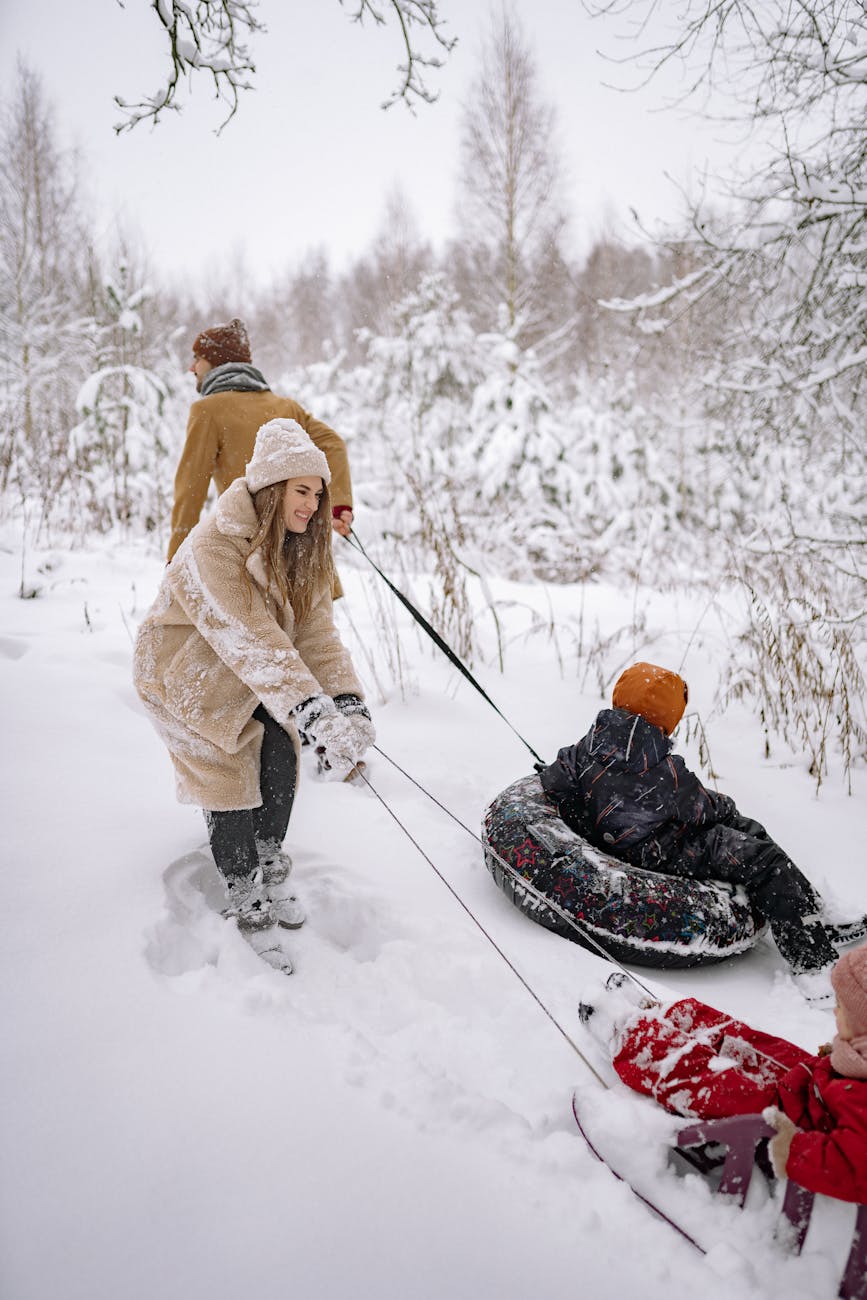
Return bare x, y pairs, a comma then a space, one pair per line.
268, 945
248, 903
815, 985
286, 909
275, 865
607, 1007
256, 905
275, 862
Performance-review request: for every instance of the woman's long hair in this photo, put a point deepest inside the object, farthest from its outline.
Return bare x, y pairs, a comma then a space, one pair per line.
299, 564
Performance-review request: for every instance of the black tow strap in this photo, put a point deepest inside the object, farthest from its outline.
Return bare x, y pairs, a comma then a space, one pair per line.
438, 640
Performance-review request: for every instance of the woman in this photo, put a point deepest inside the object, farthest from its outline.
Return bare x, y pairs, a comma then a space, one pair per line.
239, 653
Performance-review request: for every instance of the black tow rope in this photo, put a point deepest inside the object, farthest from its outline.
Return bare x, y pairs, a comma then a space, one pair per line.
551, 904
583, 933
438, 640
362, 775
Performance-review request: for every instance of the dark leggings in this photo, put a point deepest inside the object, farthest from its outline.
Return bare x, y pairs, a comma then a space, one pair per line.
238, 837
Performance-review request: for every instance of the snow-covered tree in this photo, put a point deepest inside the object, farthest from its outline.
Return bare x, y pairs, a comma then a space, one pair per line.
417, 384
291, 320
119, 449
378, 281
44, 265
511, 215
405, 412
785, 273
789, 264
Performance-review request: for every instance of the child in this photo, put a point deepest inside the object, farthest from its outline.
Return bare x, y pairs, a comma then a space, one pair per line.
623, 790
697, 1062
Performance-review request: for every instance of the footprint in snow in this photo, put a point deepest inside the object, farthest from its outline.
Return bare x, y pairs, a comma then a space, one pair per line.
192, 933
13, 647
187, 936
346, 917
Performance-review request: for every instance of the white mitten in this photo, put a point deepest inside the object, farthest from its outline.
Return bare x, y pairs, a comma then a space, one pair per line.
358, 716
781, 1143
331, 736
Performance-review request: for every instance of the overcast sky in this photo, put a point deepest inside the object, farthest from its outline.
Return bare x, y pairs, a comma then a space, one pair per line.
311, 157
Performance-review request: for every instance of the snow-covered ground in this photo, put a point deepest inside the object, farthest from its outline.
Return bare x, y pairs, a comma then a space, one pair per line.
394, 1120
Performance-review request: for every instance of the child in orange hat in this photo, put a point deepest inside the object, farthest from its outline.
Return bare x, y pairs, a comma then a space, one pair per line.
622, 789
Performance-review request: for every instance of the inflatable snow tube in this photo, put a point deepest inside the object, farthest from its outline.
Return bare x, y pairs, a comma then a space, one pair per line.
641, 918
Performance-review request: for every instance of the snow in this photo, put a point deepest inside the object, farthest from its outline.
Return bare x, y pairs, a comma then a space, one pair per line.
394, 1120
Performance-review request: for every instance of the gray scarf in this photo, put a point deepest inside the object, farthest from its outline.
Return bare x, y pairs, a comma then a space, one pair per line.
233, 377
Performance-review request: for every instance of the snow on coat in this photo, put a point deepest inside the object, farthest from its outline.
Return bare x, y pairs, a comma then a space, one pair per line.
700, 1063
623, 790
214, 646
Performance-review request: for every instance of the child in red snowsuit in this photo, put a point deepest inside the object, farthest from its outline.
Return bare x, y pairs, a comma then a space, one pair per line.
698, 1062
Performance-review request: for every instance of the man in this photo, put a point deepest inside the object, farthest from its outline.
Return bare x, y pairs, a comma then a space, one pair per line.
221, 431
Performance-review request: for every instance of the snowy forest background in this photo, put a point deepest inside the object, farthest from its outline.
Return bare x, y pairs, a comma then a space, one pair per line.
685, 416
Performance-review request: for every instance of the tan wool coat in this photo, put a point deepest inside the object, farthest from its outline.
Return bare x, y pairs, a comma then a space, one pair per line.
214, 646
221, 433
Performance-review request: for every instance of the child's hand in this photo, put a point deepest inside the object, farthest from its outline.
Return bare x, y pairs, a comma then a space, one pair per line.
780, 1144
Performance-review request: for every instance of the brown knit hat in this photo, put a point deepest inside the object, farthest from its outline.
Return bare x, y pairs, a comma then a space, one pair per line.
223, 343
657, 694
849, 978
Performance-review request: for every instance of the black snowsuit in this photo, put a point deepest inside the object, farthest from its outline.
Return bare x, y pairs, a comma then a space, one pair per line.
622, 789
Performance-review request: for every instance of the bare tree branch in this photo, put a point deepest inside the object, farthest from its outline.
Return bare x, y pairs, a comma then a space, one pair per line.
211, 36
410, 14
792, 249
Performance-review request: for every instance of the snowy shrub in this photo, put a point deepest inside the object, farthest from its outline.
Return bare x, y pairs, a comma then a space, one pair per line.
118, 449
120, 452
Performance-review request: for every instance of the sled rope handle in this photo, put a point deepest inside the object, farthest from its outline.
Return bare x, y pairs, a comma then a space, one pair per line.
354, 541
575, 1048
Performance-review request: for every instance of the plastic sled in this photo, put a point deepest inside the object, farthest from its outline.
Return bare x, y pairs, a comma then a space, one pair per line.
741, 1135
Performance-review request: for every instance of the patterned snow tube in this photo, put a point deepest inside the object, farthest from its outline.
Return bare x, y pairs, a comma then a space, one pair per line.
641, 918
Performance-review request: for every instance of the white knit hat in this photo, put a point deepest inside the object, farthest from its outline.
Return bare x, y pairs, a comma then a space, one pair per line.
283, 450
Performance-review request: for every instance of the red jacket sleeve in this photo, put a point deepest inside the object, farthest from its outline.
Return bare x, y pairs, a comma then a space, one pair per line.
829, 1151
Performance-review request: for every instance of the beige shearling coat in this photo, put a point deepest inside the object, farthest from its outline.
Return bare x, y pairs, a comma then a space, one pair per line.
213, 647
